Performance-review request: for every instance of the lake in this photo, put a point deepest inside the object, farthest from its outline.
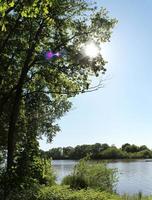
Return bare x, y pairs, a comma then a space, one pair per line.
134, 176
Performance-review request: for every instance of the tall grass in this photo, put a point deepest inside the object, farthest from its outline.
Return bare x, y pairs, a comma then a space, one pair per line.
138, 196
91, 175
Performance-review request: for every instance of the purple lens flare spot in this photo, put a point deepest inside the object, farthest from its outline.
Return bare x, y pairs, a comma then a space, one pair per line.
49, 55
58, 54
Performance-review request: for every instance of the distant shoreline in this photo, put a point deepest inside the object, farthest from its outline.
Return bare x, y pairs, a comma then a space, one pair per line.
99, 152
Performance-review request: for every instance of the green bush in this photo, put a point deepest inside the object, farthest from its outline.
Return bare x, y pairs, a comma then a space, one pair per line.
23, 194
112, 153
75, 182
142, 154
58, 192
20, 185
87, 174
37, 171
64, 193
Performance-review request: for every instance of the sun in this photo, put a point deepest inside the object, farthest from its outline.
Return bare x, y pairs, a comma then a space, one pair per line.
91, 50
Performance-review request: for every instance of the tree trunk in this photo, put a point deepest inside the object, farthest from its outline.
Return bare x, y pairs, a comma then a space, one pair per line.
14, 118
12, 125
17, 99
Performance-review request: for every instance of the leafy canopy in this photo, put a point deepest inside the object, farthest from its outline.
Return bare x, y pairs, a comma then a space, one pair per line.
28, 29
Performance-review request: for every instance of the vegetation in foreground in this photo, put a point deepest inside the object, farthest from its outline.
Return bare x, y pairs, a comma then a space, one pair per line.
99, 151
58, 192
88, 181
62, 192
65, 193
91, 175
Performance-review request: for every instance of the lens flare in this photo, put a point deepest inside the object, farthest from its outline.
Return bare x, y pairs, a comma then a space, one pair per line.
57, 54
49, 55
91, 50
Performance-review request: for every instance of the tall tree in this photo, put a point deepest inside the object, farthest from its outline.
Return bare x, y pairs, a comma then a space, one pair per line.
28, 30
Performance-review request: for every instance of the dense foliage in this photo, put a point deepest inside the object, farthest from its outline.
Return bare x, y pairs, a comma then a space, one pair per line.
57, 192
35, 91
26, 178
62, 192
91, 175
99, 151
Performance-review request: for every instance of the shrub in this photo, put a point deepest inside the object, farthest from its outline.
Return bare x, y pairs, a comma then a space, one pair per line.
20, 185
141, 154
64, 193
87, 174
23, 194
112, 153
75, 182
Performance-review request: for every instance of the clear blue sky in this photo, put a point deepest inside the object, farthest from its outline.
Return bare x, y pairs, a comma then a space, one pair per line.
122, 111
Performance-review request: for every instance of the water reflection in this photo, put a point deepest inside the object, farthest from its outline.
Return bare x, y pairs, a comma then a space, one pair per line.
134, 176
63, 168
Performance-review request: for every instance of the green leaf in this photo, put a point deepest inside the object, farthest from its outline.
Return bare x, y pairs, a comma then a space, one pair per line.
3, 28
11, 4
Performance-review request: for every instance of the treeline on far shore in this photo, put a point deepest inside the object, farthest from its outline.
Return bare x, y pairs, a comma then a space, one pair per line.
99, 151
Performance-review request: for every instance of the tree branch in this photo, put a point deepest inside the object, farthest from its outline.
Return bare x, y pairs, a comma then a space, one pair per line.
91, 89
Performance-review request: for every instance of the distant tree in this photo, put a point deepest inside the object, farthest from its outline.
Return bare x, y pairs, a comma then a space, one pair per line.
56, 153
143, 147
124, 146
96, 149
112, 153
68, 152
104, 146
146, 153
100, 151
133, 148
130, 148
81, 151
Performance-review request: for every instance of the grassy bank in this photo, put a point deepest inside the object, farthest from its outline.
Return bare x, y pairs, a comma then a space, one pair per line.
138, 196
65, 193
62, 192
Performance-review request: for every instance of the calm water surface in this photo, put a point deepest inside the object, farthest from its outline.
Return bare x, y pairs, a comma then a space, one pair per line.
134, 176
